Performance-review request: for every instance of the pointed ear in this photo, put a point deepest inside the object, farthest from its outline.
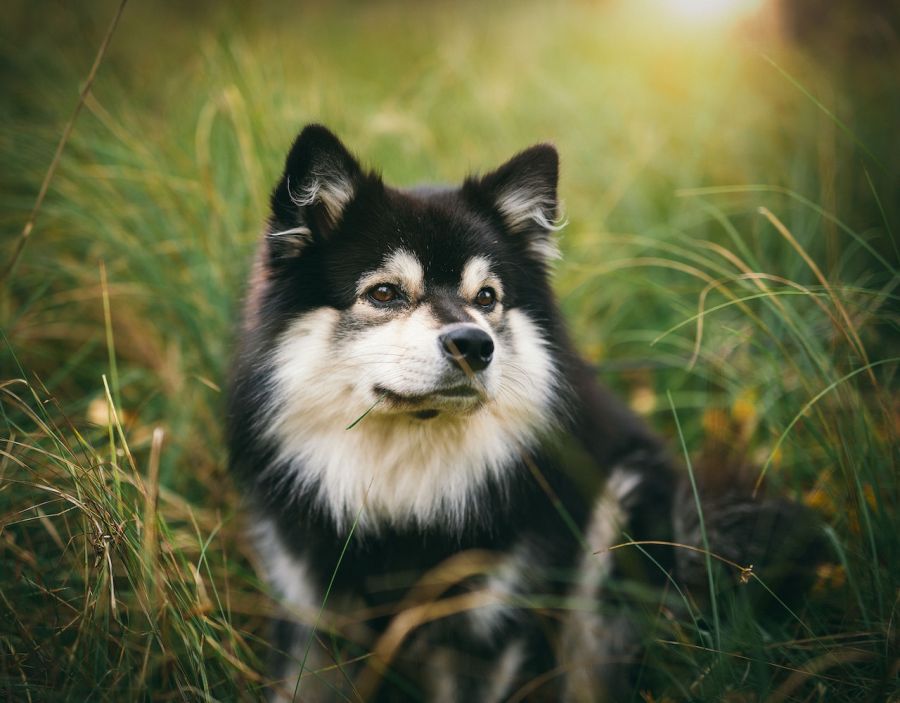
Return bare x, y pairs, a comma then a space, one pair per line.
523, 192
319, 181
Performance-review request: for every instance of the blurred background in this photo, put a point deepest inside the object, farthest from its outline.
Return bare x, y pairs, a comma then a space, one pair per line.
730, 179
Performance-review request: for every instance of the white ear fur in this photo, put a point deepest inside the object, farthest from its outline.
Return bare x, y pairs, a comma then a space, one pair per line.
320, 179
523, 193
525, 206
292, 240
332, 192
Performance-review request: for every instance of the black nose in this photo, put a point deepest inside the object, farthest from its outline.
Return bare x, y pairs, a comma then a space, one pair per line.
467, 346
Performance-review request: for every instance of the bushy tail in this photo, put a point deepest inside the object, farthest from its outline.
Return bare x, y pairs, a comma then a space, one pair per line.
776, 542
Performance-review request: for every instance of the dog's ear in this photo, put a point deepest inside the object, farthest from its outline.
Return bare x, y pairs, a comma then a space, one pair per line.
319, 181
523, 193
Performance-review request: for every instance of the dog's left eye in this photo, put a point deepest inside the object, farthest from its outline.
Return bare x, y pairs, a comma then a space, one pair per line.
486, 298
383, 293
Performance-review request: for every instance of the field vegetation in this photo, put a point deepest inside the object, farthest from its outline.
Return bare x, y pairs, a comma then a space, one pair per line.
729, 264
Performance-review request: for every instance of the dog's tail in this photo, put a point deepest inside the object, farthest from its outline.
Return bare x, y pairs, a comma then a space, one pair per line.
768, 546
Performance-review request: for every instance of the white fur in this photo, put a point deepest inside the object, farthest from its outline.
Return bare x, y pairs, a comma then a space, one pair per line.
391, 467
441, 666
586, 633
524, 207
295, 239
302, 232
401, 269
510, 578
504, 674
602, 531
545, 248
476, 275
332, 191
302, 600
287, 573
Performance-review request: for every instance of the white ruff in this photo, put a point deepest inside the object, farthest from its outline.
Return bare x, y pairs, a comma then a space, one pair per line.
391, 468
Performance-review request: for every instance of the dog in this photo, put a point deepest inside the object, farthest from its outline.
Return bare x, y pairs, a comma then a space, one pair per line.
432, 474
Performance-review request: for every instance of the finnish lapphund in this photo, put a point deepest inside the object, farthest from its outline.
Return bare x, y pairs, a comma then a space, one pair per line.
432, 474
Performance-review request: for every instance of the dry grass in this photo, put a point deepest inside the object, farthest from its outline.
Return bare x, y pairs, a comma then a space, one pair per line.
732, 205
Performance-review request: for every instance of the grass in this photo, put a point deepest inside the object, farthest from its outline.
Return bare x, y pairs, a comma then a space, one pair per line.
732, 205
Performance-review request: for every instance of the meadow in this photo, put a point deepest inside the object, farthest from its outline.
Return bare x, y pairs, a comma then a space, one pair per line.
729, 265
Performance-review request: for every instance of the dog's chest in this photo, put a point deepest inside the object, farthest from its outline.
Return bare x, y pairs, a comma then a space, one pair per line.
399, 473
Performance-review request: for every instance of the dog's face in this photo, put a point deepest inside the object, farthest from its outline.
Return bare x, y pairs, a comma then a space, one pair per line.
427, 311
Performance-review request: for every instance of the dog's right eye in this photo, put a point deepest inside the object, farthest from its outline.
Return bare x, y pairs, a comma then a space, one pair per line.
383, 293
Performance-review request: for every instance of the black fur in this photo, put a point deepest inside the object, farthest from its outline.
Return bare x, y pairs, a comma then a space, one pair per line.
317, 266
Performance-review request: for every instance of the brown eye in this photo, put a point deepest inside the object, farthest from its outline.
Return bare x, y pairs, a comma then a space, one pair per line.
486, 298
383, 293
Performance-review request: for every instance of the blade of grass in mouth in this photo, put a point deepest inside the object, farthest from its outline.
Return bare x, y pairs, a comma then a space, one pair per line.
371, 408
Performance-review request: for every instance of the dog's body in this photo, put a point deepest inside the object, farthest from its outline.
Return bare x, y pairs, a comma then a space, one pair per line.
407, 410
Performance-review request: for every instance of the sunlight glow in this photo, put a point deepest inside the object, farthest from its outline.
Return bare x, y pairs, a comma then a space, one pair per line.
711, 11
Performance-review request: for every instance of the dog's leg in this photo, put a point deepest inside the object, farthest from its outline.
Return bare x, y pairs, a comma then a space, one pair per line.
303, 668
303, 665
603, 633
455, 676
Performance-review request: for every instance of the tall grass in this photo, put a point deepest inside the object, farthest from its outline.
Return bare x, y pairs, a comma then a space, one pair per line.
732, 208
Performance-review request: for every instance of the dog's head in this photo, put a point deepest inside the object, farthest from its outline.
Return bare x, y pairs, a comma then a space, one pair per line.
427, 312
422, 303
